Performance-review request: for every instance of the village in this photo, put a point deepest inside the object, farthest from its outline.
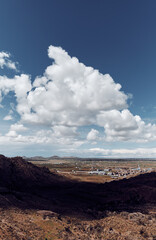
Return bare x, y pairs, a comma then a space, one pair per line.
120, 172
97, 170
114, 172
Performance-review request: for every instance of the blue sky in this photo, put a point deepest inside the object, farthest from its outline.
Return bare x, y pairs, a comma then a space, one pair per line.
53, 103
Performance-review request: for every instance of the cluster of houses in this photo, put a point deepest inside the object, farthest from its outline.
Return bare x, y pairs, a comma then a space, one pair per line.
119, 172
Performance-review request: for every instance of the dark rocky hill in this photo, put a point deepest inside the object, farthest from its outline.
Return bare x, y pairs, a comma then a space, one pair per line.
18, 174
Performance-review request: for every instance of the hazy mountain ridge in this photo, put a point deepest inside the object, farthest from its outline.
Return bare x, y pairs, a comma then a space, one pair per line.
41, 158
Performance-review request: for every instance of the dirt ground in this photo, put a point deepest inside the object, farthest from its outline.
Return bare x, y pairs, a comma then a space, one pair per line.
42, 224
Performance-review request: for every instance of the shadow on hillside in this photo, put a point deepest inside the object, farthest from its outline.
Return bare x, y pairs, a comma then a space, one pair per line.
27, 186
89, 200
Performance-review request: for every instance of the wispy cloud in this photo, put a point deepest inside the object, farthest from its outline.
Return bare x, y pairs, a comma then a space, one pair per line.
124, 152
6, 62
7, 118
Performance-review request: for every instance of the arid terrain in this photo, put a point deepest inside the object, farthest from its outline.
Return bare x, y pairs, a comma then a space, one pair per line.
95, 170
44, 202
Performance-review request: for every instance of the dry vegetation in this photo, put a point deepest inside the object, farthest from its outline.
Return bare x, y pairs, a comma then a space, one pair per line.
42, 224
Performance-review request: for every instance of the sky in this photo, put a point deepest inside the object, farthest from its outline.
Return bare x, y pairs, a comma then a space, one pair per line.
77, 78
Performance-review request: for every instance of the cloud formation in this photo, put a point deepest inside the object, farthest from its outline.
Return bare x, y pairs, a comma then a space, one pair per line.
123, 126
7, 118
6, 62
70, 95
124, 152
93, 135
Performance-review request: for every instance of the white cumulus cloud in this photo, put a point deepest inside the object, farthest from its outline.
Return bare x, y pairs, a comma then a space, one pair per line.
123, 126
93, 135
70, 95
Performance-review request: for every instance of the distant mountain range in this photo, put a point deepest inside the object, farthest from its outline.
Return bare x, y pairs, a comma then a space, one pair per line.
40, 158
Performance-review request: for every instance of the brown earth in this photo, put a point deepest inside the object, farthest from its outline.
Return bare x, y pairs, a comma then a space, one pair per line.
38, 204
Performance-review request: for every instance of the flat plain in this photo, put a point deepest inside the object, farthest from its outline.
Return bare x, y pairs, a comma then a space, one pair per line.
96, 170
